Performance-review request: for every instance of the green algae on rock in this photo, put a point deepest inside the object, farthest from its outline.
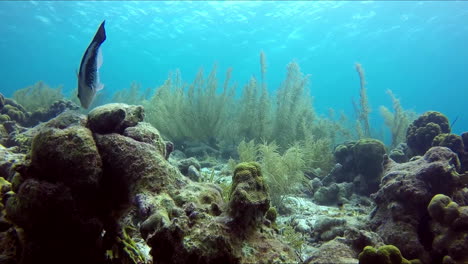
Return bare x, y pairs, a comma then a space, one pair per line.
387, 254
249, 199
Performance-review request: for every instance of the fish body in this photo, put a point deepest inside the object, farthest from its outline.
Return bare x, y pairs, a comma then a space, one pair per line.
88, 75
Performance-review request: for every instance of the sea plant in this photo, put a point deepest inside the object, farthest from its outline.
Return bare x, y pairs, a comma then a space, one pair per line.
37, 96
283, 173
198, 112
362, 109
293, 112
132, 95
397, 121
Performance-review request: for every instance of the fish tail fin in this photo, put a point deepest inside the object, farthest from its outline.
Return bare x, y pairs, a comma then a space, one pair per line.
100, 34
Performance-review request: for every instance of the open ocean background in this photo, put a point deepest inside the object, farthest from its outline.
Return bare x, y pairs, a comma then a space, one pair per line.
418, 49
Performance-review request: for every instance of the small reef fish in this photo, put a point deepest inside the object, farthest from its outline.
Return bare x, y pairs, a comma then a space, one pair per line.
88, 75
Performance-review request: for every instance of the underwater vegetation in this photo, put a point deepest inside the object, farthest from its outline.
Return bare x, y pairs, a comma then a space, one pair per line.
195, 173
37, 96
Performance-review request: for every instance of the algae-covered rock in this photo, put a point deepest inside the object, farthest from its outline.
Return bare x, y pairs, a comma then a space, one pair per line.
387, 254
456, 144
8, 161
362, 163
451, 141
54, 230
56, 108
184, 165
334, 251
130, 165
69, 156
114, 117
399, 153
369, 154
424, 129
144, 132
249, 198
327, 195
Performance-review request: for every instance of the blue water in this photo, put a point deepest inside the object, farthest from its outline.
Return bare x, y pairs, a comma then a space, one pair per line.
416, 49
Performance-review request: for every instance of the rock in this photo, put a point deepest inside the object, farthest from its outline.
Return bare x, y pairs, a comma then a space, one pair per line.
8, 161
249, 198
144, 132
47, 214
69, 156
193, 173
327, 195
465, 140
184, 165
361, 158
424, 129
327, 228
399, 153
22, 138
169, 149
177, 155
369, 155
334, 251
334, 174
52, 111
405, 191
131, 167
114, 117
455, 143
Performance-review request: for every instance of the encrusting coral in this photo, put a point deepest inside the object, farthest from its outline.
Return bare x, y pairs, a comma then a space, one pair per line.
450, 227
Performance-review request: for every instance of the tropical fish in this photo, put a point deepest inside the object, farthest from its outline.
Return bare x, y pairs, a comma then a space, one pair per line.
88, 75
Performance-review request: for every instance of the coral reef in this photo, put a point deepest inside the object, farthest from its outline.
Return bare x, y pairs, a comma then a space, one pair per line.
450, 227
400, 217
424, 129
89, 180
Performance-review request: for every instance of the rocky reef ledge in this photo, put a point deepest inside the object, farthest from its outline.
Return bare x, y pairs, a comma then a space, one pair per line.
98, 189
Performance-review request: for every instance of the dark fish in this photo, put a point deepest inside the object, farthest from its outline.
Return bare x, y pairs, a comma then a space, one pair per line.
88, 75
